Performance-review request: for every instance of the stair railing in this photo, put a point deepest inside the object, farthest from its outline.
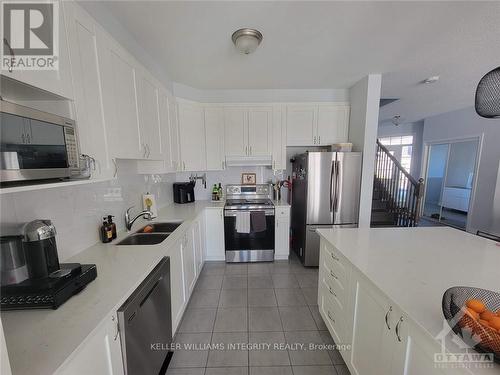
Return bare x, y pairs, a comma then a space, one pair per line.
401, 192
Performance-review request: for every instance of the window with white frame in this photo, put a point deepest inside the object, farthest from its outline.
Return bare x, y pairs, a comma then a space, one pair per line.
401, 147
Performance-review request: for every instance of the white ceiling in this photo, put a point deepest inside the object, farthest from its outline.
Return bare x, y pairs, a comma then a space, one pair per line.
313, 45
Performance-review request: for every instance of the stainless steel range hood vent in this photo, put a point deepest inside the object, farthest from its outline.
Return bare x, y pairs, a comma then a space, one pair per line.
248, 161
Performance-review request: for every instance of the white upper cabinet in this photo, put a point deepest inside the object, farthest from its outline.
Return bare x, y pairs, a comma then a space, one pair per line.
192, 137
88, 97
248, 130
175, 152
300, 125
149, 121
54, 81
333, 124
165, 130
316, 124
118, 70
279, 139
214, 136
235, 135
260, 120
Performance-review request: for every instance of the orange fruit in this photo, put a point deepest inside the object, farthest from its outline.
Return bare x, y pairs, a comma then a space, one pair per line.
476, 304
484, 323
495, 323
474, 315
487, 315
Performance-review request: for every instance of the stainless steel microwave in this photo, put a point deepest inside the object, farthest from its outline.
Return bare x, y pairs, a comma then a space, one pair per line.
36, 145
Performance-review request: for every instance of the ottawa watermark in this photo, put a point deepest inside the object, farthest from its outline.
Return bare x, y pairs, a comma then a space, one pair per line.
30, 35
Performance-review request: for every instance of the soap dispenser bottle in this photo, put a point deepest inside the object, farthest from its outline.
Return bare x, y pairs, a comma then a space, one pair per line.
113, 226
106, 231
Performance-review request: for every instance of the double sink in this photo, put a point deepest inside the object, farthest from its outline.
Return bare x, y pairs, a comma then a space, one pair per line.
151, 234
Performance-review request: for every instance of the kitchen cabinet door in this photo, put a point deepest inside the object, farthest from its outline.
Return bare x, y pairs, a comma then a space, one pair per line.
165, 131
189, 262
100, 353
192, 137
54, 81
260, 120
117, 70
149, 121
333, 123
300, 125
174, 134
278, 140
372, 339
235, 131
214, 133
177, 293
84, 58
198, 248
214, 234
282, 233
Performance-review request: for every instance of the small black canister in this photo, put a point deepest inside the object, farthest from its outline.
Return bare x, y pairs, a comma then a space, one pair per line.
40, 249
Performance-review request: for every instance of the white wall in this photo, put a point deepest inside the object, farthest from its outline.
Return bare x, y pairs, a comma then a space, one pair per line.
260, 96
363, 124
77, 211
465, 123
388, 129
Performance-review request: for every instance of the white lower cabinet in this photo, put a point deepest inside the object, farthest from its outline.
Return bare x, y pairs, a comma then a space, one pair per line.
99, 354
384, 340
282, 233
214, 223
188, 261
177, 293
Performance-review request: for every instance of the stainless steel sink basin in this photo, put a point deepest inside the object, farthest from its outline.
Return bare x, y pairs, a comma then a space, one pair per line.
162, 227
144, 239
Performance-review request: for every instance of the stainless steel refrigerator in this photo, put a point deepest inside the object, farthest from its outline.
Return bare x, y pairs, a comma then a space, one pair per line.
325, 194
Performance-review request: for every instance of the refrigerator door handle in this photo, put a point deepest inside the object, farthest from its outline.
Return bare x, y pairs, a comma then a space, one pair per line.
337, 177
332, 172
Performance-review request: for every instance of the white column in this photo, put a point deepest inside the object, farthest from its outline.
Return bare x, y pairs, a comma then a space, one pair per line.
363, 124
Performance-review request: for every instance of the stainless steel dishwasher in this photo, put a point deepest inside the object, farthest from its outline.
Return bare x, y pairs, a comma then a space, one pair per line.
145, 324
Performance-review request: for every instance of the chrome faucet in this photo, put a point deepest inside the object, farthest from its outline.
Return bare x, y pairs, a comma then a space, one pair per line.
129, 222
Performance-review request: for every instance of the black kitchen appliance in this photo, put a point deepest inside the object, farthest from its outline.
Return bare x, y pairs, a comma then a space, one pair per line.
183, 192
48, 284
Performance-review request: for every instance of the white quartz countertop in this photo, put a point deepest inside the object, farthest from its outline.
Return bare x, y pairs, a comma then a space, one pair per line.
415, 266
38, 341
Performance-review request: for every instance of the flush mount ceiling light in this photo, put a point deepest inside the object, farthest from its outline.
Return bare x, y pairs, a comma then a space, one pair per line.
246, 40
432, 79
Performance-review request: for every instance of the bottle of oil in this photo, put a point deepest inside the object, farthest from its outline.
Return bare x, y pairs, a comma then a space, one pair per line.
106, 231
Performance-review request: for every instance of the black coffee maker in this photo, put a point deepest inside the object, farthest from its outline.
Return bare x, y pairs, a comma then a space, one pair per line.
40, 249
49, 284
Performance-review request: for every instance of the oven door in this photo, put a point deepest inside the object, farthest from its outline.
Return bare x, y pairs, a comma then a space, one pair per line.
253, 246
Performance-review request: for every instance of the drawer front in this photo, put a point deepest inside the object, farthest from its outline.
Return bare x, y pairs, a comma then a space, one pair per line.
332, 315
335, 289
281, 212
335, 268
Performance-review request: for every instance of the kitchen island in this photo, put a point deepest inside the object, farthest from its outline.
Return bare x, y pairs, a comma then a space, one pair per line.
381, 290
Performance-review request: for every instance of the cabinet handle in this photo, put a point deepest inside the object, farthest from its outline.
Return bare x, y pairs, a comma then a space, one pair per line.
23, 138
330, 317
333, 275
331, 291
149, 150
319, 139
387, 318
28, 138
246, 150
250, 150
117, 331
397, 329
184, 165
116, 168
314, 140
335, 258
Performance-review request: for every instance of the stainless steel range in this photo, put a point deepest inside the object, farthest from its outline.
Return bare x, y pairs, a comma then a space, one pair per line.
249, 224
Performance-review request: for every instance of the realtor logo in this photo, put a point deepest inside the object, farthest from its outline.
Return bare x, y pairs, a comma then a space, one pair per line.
30, 35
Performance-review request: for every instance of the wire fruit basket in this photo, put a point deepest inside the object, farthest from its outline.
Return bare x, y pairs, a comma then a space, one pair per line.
478, 336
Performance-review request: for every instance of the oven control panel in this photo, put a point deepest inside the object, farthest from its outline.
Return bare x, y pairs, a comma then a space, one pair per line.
261, 189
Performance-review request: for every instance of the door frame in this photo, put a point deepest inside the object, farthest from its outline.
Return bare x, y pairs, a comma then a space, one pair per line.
425, 164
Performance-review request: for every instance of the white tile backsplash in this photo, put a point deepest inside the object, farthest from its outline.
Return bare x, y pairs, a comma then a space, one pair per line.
77, 211
232, 175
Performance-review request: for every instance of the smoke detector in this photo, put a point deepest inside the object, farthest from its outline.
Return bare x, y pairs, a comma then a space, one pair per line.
432, 79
